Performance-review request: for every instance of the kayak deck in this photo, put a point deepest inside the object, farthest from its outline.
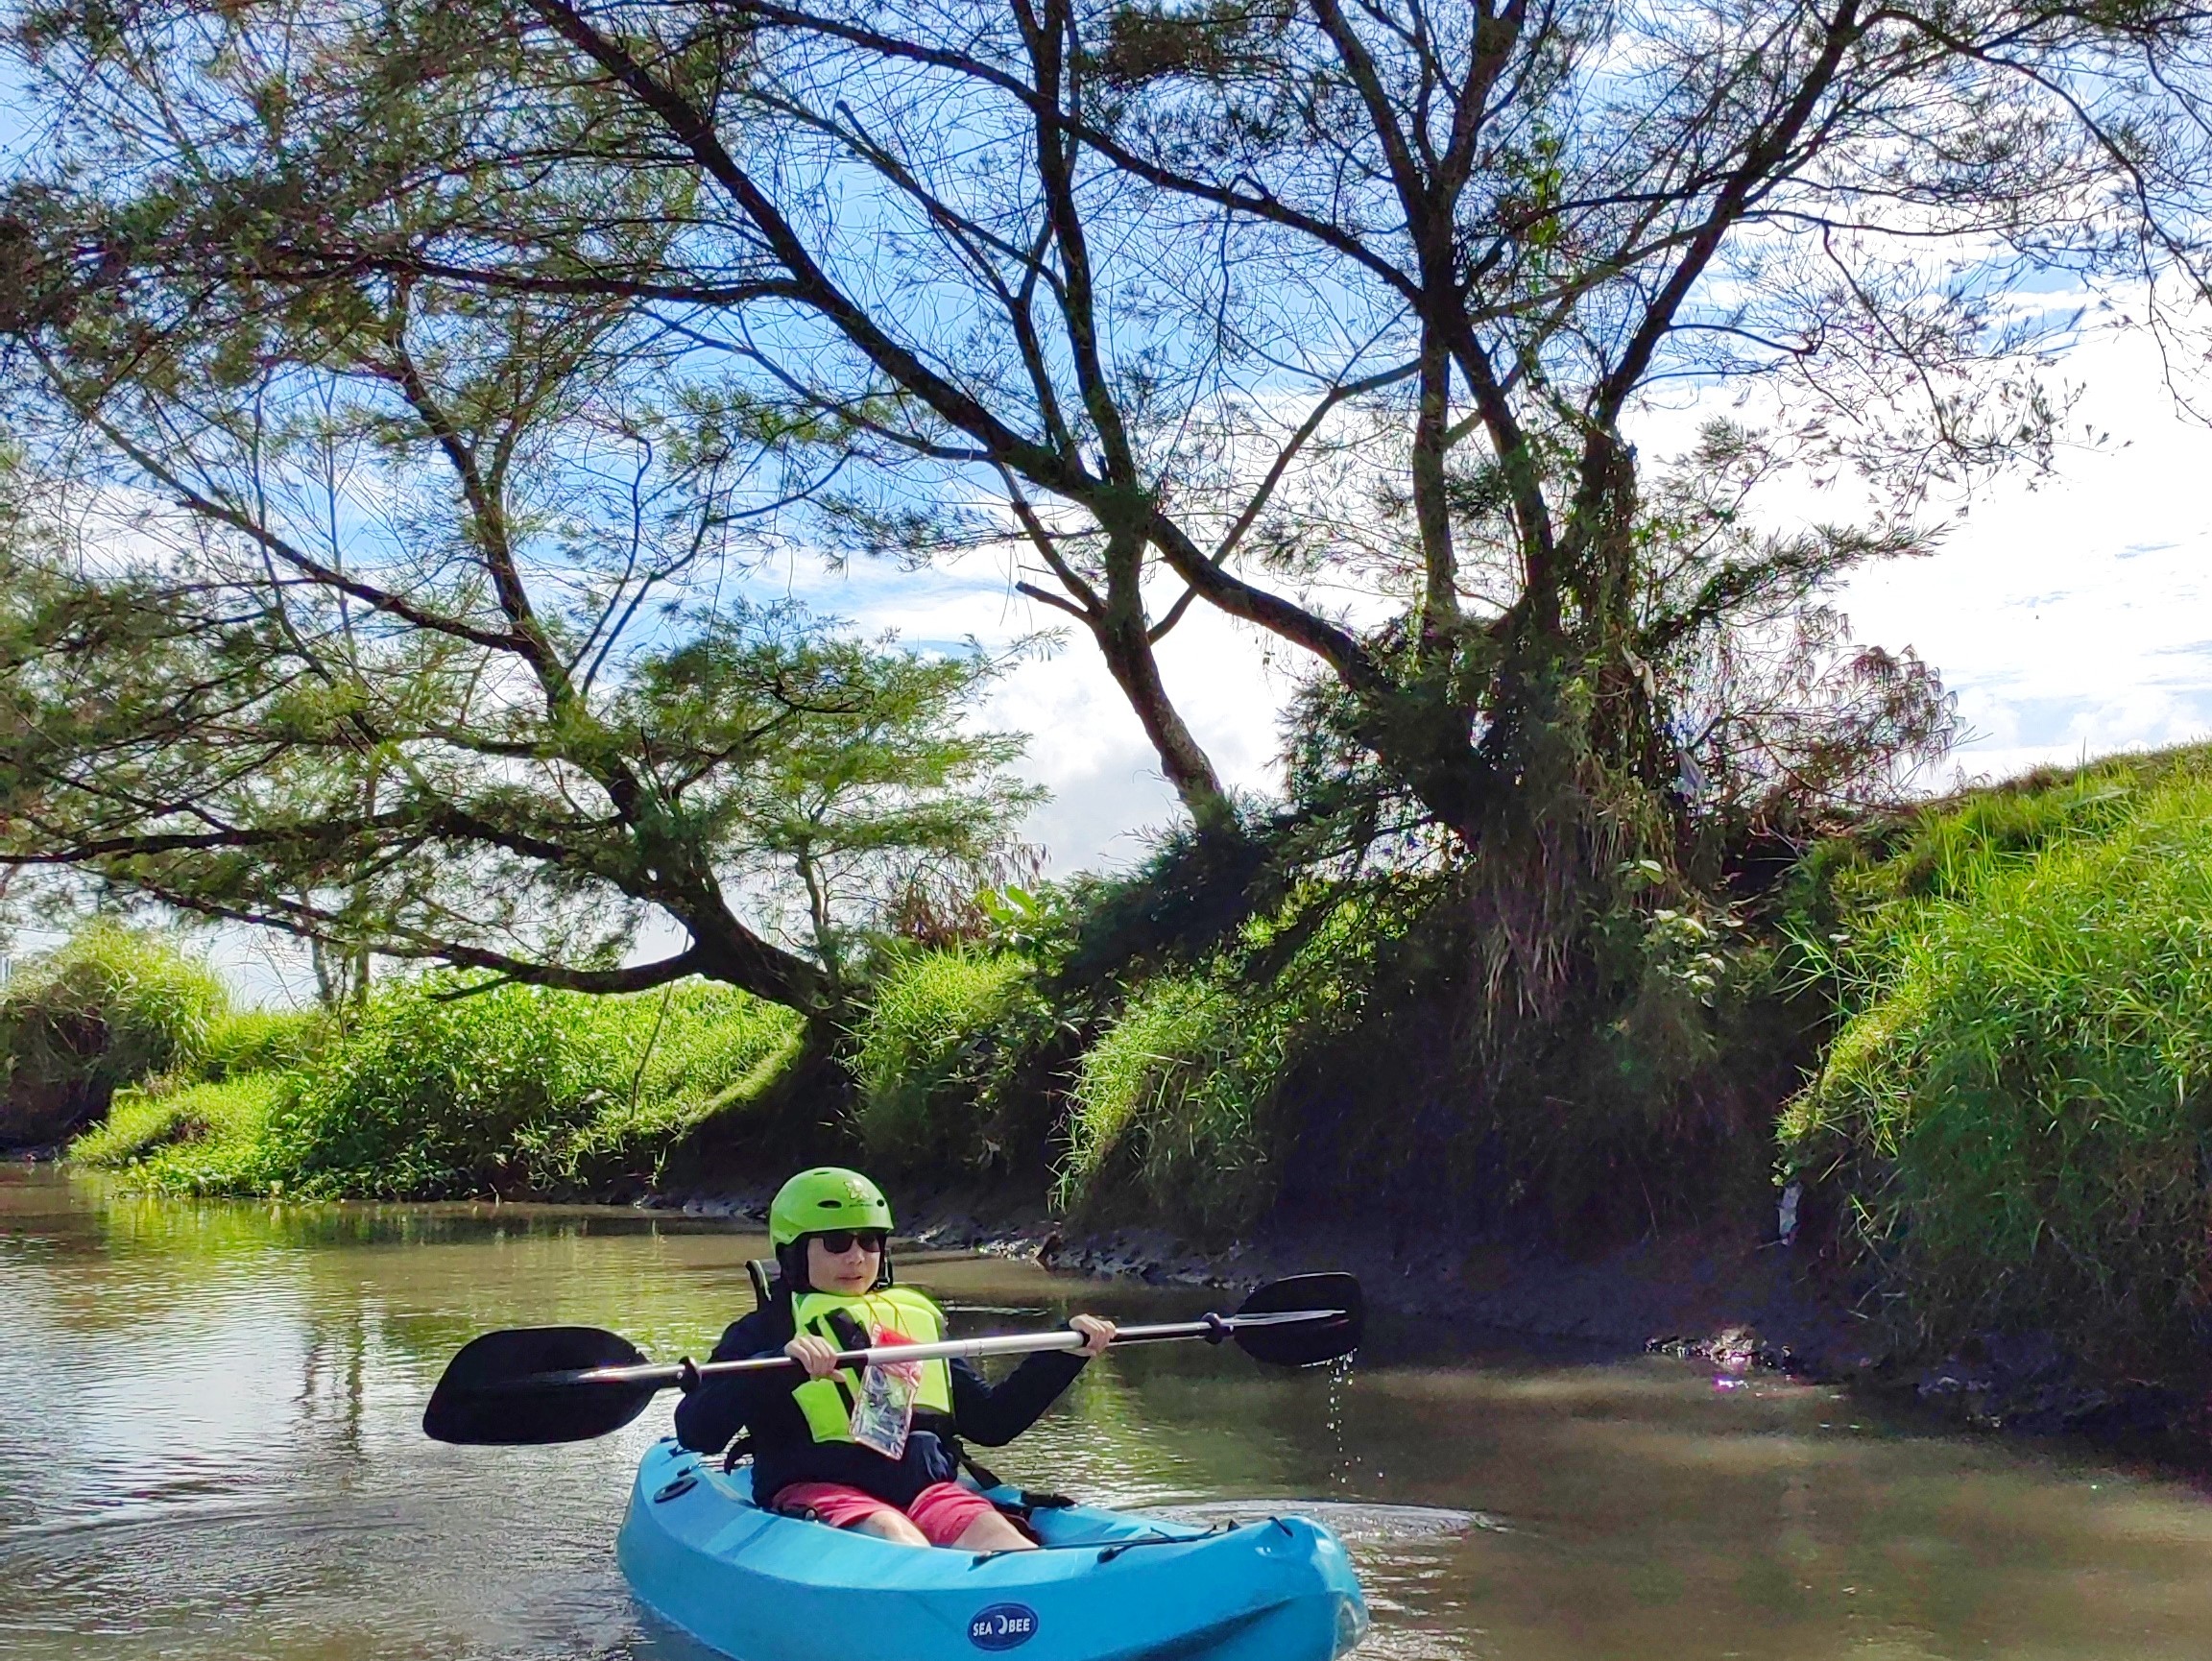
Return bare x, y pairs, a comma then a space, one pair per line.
1108, 1586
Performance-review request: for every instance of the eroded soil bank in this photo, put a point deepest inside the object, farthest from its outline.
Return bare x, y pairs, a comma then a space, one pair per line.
1730, 1294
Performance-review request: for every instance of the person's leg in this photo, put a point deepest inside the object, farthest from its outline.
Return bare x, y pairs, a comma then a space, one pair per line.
848, 1508
949, 1514
889, 1524
993, 1532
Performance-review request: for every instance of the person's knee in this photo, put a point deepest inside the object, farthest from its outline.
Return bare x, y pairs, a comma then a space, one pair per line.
992, 1532
890, 1526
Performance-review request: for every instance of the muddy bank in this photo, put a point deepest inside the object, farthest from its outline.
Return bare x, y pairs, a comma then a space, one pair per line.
1721, 1294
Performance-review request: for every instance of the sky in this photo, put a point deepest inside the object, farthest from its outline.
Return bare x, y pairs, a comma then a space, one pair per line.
2071, 616
2074, 619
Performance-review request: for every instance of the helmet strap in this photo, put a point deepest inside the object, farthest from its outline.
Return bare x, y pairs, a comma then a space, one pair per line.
791, 1259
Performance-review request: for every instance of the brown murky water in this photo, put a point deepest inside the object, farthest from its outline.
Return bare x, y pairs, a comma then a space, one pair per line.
208, 1448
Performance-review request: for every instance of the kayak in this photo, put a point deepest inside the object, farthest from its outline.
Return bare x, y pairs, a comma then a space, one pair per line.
1107, 1586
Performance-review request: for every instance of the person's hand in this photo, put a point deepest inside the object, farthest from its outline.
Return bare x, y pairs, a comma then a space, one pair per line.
818, 1355
1097, 1333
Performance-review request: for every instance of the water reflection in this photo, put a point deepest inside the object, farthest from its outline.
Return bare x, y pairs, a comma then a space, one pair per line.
211, 1448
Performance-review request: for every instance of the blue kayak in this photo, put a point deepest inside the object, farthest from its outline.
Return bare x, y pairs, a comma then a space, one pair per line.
1107, 1587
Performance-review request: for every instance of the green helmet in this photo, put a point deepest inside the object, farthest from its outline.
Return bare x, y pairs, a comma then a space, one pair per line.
828, 1196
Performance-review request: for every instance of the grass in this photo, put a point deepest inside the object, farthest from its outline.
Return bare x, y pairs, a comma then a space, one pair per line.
250, 1041
106, 1009
2018, 1112
1187, 1110
1170, 1110
1853, 892
209, 1138
937, 1061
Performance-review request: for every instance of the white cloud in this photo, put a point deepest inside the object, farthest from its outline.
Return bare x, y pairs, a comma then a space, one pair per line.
1086, 745
2072, 617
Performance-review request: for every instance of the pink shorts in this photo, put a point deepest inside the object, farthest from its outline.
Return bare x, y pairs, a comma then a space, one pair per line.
943, 1511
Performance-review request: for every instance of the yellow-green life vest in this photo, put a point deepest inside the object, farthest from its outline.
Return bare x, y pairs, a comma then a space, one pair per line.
828, 1403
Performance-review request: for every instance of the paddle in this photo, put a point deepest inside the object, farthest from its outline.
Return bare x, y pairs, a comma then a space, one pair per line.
571, 1383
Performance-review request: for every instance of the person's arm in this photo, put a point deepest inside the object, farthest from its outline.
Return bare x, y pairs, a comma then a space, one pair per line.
994, 1414
707, 1418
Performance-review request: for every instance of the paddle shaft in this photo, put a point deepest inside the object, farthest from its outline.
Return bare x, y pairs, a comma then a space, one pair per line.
1213, 1327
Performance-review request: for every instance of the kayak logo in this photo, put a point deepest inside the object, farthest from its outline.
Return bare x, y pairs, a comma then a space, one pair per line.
1002, 1626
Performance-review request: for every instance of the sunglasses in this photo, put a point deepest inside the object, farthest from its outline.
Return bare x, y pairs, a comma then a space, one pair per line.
838, 1241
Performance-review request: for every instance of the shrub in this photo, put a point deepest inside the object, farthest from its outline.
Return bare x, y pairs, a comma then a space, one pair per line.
431, 1096
939, 1061
2022, 1112
110, 1008
517, 1089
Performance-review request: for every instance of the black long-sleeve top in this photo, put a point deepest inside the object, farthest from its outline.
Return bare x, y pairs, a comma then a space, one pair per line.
785, 1451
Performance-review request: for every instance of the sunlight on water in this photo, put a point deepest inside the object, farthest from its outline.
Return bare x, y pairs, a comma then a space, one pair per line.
210, 1449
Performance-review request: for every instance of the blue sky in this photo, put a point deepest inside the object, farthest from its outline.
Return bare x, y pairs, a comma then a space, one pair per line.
2071, 617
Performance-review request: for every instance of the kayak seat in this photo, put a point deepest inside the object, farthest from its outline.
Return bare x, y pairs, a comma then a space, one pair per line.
987, 1482
1016, 1508
1023, 1500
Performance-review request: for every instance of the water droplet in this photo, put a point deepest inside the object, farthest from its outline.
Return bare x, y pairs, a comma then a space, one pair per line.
1339, 1379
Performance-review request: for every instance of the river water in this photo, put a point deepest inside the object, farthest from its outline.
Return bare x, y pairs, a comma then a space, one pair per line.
209, 1447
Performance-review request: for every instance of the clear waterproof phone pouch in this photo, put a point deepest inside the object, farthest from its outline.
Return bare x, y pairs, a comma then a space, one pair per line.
884, 1414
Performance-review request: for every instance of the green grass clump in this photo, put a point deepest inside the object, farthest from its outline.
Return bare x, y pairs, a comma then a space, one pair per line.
694, 1052
1171, 1109
142, 1122
2021, 1110
515, 1090
1852, 893
108, 1008
205, 1139
1186, 1109
250, 1041
937, 1060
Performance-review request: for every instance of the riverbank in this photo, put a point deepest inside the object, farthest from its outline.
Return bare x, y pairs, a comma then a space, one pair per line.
1735, 1297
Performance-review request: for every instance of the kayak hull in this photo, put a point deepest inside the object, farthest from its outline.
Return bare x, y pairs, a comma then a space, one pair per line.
1109, 1586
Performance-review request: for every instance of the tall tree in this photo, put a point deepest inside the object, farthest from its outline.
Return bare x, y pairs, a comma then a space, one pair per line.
404, 618
1331, 319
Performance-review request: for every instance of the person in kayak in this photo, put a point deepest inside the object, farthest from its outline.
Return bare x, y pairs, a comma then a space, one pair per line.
874, 1448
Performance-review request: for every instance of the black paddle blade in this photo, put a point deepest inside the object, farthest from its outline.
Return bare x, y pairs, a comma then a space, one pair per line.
1304, 1344
493, 1391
